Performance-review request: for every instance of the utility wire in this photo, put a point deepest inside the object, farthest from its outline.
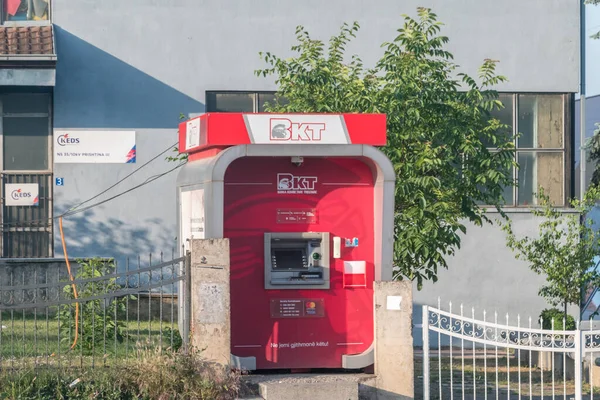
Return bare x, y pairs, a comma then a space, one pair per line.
127, 176
73, 210
149, 180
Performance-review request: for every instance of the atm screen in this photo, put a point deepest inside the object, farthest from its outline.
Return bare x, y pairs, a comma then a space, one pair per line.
289, 259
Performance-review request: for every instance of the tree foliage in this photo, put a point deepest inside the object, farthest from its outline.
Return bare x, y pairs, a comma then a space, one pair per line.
438, 123
593, 147
595, 3
564, 250
97, 322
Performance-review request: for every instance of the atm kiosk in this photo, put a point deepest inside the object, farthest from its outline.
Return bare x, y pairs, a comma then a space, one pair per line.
307, 203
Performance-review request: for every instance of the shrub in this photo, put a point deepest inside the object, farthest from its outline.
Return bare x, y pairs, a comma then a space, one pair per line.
554, 314
169, 334
98, 319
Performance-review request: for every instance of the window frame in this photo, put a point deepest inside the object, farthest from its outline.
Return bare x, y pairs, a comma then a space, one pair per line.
8, 176
5, 22
565, 150
210, 107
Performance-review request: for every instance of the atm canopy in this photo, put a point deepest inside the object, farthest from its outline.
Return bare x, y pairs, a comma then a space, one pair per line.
220, 130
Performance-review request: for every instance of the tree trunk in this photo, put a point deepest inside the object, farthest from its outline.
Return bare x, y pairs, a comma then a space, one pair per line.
565, 316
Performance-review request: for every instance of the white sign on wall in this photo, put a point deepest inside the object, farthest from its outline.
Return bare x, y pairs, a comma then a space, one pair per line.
192, 216
21, 194
110, 147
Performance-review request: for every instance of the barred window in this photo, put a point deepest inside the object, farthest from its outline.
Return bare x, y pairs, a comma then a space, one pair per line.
25, 126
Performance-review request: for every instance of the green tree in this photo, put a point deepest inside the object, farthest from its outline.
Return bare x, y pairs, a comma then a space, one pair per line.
438, 123
564, 250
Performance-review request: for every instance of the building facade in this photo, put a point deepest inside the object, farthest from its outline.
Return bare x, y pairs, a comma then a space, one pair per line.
120, 73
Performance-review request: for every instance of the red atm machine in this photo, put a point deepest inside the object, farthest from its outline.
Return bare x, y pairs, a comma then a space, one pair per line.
306, 201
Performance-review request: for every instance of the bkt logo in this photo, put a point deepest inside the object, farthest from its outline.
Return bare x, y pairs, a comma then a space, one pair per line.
288, 183
65, 140
282, 129
19, 194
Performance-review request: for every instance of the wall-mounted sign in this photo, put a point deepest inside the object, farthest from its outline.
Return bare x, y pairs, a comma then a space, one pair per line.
60, 181
85, 147
21, 194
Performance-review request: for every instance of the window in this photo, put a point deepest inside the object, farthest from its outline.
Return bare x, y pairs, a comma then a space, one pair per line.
246, 102
25, 10
542, 123
542, 120
25, 126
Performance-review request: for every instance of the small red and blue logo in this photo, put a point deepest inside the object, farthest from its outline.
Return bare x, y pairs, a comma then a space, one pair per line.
311, 308
131, 156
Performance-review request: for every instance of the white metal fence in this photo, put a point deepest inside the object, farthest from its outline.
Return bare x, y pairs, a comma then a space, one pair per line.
469, 355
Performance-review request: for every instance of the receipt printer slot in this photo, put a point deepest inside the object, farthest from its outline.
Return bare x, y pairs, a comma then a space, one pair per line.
297, 260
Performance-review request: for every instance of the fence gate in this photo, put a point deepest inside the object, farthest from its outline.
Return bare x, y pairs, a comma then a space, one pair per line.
488, 358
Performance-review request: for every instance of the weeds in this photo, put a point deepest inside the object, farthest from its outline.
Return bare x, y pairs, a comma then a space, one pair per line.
151, 376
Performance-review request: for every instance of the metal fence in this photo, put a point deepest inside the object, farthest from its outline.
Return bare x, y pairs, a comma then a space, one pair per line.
469, 355
102, 314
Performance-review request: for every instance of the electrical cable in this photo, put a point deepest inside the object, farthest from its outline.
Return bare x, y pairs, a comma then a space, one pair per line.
74, 210
149, 180
127, 176
64, 246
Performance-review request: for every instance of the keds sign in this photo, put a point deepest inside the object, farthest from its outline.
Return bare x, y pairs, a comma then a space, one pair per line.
21, 194
296, 129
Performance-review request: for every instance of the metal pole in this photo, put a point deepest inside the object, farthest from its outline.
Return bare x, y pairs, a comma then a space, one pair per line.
578, 362
582, 163
425, 327
187, 301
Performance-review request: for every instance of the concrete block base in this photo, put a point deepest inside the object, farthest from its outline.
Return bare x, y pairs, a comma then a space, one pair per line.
313, 386
340, 390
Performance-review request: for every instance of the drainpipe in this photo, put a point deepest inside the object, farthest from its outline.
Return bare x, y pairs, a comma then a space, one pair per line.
582, 163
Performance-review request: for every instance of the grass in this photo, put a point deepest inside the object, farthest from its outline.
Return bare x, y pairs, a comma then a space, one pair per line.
152, 376
28, 340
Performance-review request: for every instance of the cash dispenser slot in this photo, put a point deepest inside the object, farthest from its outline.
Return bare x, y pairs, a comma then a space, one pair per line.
297, 260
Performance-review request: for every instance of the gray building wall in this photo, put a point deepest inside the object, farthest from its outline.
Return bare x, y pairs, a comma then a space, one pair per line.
139, 64
485, 275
